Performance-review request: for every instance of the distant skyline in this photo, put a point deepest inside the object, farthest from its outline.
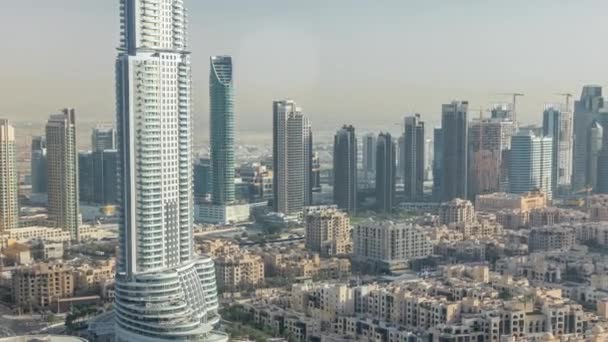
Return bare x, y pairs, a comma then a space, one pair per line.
344, 61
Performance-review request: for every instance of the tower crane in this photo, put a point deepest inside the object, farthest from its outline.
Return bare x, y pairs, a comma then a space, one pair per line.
568, 97
515, 95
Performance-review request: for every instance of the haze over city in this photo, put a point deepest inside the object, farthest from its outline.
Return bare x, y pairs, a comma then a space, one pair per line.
303, 171
357, 61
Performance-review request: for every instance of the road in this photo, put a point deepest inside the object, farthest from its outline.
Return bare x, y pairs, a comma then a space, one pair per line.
11, 325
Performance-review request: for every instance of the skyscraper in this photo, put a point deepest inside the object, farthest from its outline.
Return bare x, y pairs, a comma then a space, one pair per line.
345, 169
103, 137
97, 177
385, 173
557, 124
9, 189
221, 109
454, 173
412, 151
531, 163
488, 140
594, 140
39, 165
291, 152
369, 156
163, 290
586, 111
203, 176
437, 163
62, 167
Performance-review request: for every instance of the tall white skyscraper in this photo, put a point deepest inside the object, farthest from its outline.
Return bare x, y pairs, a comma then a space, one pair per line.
163, 290
531, 163
292, 140
9, 196
62, 171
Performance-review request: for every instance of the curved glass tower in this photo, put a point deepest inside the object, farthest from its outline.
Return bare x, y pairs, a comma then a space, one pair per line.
221, 104
163, 291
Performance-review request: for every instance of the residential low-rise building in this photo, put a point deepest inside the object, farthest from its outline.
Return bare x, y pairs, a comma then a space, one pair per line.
37, 286
328, 232
238, 270
456, 210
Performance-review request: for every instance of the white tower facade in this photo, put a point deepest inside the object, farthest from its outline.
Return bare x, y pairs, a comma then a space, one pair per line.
292, 145
163, 291
9, 196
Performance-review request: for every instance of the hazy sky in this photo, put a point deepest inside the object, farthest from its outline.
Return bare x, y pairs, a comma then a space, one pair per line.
365, 62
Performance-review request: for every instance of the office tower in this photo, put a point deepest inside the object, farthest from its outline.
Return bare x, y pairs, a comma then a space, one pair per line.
9, 183
369, 156
315, 174
400, 158
203, 176
412, 151
291, 152
221, 109
437, 164
557, 124
39, 165
103, 137
602, 171
385, 173
594, 137
586, 111
97, 177
328, 232
488, 140
531, 163
345, 169
164, 291
86, 177
454, 175
62, 170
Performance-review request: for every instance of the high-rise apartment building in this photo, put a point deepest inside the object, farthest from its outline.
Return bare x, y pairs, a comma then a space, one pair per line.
38, 165
62, 171
345, 169
488, 140
385, 173
586, 112
557, 124
164, 291
221, 115
103, 137
292, 157
369, 156
531, 164
454, 172
327, 232
9, 183
412, 152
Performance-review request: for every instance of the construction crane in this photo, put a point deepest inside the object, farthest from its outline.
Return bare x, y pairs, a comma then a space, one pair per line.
568, 97
513, 110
